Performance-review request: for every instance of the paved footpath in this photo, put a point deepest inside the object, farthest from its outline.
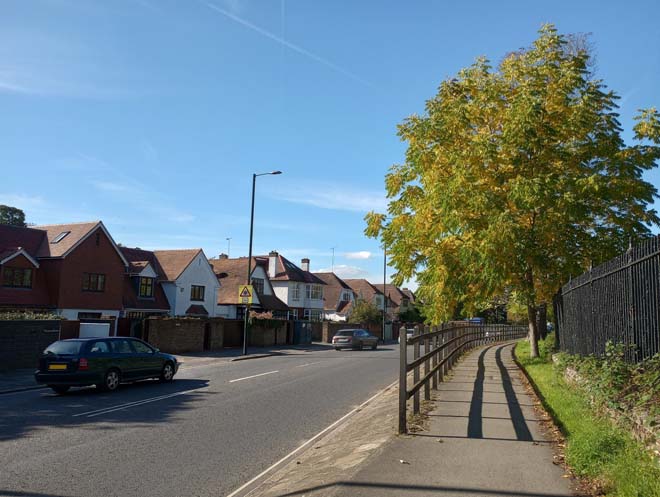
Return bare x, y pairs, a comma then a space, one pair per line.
483, 439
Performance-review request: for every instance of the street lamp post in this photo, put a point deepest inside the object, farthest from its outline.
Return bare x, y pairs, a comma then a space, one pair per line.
384, 287
249, 271
228, 246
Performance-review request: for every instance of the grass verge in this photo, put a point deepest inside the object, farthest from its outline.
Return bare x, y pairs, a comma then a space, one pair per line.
595, 448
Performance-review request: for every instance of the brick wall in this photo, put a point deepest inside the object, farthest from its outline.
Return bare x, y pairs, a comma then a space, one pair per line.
22, 342
176, 336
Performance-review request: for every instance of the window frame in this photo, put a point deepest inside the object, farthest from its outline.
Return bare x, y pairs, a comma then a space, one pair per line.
141, 280
193, 293
13, 271
89, 278
258, 285
295, 292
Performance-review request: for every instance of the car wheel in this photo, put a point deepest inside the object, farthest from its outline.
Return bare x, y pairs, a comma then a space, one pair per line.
167, 374
374, 346
60, 389
111, 380
337, 348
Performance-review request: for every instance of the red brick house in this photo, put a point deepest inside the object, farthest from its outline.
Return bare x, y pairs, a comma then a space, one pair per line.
143, 294
76, 270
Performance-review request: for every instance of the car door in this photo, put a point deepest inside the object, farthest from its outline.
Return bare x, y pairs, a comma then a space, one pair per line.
148, 363
100, 357
124, 358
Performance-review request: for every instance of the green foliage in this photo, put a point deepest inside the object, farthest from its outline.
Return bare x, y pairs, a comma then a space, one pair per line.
412, 315
596, 448
616, 384
12, 216
365, 312
514, 178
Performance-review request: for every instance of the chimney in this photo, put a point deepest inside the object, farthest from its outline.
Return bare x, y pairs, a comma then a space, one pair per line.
305, 264
223, 257
272, 264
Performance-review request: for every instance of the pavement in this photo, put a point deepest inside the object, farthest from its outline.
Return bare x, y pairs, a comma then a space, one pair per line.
482, 436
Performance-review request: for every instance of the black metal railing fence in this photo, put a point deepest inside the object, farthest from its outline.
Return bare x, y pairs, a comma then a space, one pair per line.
617, 301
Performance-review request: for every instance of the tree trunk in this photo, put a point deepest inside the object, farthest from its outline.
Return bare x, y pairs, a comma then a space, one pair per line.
543, 321
533, 331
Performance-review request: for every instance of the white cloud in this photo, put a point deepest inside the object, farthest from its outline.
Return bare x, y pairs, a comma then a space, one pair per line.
363, 254
345, 271
333, 196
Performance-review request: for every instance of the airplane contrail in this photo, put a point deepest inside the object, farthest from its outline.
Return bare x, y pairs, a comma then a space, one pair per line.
287, 44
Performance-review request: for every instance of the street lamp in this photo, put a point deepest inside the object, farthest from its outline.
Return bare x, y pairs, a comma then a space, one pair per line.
384, 286
249, 271
228, 246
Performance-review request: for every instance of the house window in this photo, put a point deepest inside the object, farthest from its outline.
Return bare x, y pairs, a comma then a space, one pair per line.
314, 292
312, 315
17, 277
196, 292
294, 314
345, 296
146, 287
295, 292
258, 284
93, 282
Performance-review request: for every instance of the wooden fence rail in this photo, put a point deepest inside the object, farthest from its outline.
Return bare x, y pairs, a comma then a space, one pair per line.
443, 345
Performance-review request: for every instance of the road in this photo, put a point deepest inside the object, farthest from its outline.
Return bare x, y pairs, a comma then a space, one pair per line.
215, 427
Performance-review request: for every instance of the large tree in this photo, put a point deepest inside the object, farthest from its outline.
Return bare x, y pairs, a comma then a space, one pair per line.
12, 216
515, 178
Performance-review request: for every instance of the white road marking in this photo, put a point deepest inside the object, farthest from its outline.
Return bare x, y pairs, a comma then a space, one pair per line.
308, 364
308, 442
253, 376
105, 410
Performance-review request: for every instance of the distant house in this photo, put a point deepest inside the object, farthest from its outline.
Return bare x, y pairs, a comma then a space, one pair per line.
369, 293
75, 270
189, 282
400, 300
232, 273
338, 297
143, 291
299, 289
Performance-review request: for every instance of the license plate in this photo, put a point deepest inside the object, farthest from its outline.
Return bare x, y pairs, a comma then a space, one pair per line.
56, 367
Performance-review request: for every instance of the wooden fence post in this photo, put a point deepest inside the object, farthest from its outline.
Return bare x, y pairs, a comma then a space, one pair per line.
403, 387
416, 372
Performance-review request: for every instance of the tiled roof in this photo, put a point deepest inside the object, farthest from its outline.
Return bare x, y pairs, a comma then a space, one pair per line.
77, 231
197, 310
394, 293
333, 291
363, 289
174, 262
285, 270
409, 294
13, 238
138, 260
231, 273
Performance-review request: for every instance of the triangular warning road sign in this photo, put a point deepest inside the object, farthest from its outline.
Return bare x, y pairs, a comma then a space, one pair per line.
245, 292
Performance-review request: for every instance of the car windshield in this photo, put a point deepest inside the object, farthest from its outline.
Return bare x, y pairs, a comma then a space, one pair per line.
345, 333
63, 348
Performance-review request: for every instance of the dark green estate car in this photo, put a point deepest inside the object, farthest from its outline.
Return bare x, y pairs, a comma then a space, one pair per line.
104, 362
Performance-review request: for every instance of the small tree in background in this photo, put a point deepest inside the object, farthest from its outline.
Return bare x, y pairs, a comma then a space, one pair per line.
515, 178
12, 216
365, 312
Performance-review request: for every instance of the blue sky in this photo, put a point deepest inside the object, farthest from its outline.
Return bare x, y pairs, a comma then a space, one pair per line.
152, 115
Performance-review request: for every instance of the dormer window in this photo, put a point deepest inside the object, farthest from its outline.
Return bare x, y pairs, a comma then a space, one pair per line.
146, 288
17, 277
60, 237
